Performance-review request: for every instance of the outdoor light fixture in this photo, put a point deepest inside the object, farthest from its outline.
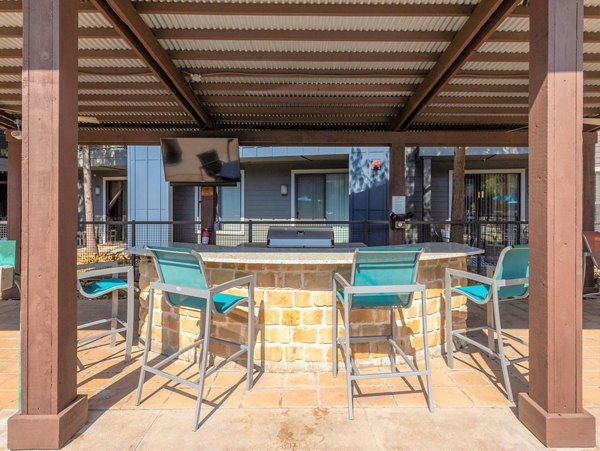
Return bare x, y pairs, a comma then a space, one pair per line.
97, 190
284, 190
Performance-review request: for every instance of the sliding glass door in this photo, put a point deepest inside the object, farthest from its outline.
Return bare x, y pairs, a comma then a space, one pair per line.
322, 196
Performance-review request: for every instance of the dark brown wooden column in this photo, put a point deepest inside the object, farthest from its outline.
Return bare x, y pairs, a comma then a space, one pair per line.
589, 197
51, 409
457, 232
397, 186
552, 409
208, 210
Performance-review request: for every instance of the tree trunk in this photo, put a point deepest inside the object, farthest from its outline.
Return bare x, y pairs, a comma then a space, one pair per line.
91, 244
458, 196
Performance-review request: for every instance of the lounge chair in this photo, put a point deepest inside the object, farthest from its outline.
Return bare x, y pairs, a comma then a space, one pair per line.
99, 279
510, 282
382, 278
183, 284
591, 243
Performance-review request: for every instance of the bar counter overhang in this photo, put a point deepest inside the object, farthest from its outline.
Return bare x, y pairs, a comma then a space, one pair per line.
293, 311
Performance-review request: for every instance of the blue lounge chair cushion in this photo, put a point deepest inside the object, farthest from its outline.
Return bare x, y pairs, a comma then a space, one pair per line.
100, 287
223, 302
377, 300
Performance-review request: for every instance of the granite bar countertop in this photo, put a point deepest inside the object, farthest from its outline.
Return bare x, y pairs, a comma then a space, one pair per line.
340, 254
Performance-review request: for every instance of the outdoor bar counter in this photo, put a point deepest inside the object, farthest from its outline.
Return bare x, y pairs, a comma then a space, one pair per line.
294, 304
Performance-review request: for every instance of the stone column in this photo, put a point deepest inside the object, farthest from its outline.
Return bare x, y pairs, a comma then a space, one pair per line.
397, 186
51, 409
552, 409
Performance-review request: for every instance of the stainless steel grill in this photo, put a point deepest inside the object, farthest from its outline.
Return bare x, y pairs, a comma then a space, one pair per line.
300, 237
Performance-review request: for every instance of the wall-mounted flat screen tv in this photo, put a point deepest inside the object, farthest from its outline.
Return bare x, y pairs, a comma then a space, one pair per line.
201, 161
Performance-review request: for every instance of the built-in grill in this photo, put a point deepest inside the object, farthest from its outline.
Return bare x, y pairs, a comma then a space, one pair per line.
300, 237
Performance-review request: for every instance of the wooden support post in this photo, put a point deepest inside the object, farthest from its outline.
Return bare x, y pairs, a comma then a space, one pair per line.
52, 412
457, 232
397, 187
208, 210
552, 409
589, 197
14, 194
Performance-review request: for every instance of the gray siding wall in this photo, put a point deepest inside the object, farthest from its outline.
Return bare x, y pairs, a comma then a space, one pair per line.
262, 182
440, 182
414, 182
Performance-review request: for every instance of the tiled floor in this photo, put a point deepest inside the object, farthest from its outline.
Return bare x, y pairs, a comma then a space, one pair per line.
299, 410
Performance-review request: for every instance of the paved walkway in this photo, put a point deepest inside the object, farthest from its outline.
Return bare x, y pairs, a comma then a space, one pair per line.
300, 410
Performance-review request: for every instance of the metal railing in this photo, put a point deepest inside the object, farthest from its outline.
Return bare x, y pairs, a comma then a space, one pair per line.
114, 238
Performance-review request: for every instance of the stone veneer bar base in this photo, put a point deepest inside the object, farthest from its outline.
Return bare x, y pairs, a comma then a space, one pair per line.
294, 313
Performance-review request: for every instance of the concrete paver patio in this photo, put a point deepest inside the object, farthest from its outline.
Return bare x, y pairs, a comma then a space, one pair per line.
298, 410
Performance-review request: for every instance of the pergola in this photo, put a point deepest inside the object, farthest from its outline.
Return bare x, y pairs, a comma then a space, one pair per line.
356, 72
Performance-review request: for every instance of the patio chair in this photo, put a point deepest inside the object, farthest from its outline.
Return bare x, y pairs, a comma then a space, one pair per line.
382, 278
8, 258
99, 279
591, 243
509, 282
183, 284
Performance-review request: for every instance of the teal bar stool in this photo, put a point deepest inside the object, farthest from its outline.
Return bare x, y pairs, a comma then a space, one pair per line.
183, 283
509, 282
382, 278
99, 279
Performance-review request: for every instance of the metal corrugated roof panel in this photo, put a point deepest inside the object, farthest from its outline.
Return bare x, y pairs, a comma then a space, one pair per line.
116, 62
307, 93
492, 66
127, 103
301, 66
505, 47
10, 91
11, 43
10, 62
233, 22
93, 20
10, 78
102, 44
450, 93
488, 81
11, 20
300, 46
124, 92
92, 78
514, 24
207, 80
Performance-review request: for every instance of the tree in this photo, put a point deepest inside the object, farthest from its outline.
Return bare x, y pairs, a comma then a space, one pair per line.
91, 244
457, 231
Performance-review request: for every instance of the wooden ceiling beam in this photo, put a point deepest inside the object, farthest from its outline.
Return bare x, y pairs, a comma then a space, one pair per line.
483, 22
94, 135
126, 20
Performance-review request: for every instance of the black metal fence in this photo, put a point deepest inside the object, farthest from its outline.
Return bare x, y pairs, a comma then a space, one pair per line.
114, 238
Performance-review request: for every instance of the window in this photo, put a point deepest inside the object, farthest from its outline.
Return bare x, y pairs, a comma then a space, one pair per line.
321, 196
230, 205
492, 197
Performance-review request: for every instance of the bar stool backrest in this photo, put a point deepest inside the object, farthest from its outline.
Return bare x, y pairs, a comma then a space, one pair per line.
179, 267
513, 263
385, 265
8, 252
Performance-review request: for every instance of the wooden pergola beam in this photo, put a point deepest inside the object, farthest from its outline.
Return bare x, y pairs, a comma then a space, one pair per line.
482, 22
310, 137
133, 29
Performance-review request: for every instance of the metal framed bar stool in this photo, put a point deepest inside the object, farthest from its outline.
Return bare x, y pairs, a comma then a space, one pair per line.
183, 283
